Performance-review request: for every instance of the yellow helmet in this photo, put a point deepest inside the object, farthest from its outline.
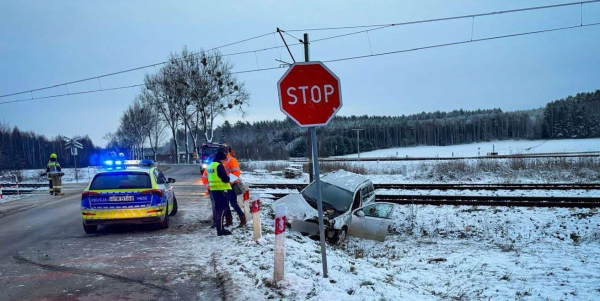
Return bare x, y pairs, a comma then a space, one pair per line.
53, 155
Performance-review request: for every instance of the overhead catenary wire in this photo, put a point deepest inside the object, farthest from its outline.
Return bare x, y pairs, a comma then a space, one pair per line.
139, 68
371, 28
581, 3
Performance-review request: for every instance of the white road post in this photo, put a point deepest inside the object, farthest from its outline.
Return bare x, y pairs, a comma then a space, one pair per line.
246, 202
256, 223
279, 266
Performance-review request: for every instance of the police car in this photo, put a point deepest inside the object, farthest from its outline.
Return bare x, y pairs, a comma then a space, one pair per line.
128, 192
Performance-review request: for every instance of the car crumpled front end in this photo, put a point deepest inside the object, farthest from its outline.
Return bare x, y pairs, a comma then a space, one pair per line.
298, 209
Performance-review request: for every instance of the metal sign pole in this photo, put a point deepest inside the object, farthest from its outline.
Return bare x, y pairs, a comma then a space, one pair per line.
317, 177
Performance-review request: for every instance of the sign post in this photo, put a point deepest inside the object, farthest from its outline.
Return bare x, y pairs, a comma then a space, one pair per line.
310, 94
73, 144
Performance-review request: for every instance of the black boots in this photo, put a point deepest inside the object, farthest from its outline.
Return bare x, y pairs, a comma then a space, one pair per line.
242, 221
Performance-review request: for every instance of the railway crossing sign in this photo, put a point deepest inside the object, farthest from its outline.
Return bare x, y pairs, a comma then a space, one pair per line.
310, 94
73, 144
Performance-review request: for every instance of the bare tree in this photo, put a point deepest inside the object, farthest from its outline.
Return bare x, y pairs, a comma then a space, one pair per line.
160, 92
210, 89
154, 126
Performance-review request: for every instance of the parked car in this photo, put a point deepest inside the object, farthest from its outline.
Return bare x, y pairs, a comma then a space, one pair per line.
292, 171
348, 208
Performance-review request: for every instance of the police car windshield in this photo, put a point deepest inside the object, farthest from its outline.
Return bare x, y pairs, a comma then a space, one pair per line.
121, 180
338, 198
209, 151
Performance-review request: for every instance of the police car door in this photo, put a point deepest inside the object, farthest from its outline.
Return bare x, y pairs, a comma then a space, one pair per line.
164, 185
371, 221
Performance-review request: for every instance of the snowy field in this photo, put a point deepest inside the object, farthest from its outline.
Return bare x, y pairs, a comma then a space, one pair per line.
433, 253
33, 175
505, 147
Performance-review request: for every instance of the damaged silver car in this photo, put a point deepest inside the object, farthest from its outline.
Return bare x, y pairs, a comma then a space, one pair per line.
348, 208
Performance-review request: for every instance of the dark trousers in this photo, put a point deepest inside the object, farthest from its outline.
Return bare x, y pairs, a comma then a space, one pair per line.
50, 185
232, 197
212, 206
220, 199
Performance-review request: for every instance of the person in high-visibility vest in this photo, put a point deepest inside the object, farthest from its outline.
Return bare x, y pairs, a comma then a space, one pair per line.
53, 165
204, 180
218, 180
233, 167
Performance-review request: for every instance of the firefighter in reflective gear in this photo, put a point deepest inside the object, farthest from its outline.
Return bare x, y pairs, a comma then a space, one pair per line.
218, 180
53, 165
233, 167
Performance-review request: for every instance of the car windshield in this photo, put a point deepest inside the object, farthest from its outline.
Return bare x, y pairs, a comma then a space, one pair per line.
209, 151
121, 180
338, 198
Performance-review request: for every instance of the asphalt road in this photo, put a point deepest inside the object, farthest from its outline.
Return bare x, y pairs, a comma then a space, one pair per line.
46, 255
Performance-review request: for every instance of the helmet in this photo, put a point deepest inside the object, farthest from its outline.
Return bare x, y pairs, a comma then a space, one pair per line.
53, 155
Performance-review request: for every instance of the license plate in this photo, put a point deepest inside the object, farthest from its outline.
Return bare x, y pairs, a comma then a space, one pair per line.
121, 198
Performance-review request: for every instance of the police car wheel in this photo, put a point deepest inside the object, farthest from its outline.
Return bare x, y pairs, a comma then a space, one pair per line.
174, 210
165, 223
90, 229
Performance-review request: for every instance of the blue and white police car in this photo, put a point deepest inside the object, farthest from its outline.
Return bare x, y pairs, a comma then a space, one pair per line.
128, 192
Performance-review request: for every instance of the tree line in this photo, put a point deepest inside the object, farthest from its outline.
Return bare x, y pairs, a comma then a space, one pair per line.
573, 117
27, 150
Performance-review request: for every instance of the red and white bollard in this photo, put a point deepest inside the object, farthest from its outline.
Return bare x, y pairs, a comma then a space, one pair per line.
256, 223
1, 192
246, 203
279, 266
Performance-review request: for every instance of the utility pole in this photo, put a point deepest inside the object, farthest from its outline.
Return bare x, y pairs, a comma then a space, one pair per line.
358, 140
308, 139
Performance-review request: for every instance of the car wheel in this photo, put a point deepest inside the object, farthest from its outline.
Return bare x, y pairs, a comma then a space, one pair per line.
165, 223
339, 236
90, 229
174, 210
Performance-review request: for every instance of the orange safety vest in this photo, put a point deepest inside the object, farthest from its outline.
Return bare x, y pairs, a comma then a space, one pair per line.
205, 180
232, 166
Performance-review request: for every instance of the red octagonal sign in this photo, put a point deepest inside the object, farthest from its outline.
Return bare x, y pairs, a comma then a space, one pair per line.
310, 94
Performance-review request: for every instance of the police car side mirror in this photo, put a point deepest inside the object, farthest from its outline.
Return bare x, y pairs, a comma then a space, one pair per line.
171, 180
360, 213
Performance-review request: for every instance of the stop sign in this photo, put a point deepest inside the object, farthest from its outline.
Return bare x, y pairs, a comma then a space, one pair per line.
310, 94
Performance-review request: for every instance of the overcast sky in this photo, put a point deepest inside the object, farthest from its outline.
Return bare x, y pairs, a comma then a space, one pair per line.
49, 42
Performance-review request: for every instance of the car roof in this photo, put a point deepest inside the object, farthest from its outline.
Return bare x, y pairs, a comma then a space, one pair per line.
345, 179
145, 169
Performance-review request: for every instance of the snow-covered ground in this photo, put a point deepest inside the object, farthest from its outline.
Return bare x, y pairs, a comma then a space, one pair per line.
505, 147
84, 174
433, 253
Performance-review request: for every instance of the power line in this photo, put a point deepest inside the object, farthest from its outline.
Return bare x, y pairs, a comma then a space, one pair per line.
448, 18
460, 42
136, 68
340, 59
371, 28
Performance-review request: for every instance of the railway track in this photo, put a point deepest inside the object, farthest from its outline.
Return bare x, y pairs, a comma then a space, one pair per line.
24, 185
501, 186
15, 192
479, 200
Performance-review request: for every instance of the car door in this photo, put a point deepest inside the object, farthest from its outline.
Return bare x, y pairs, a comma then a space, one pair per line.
371, 221
163, 185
